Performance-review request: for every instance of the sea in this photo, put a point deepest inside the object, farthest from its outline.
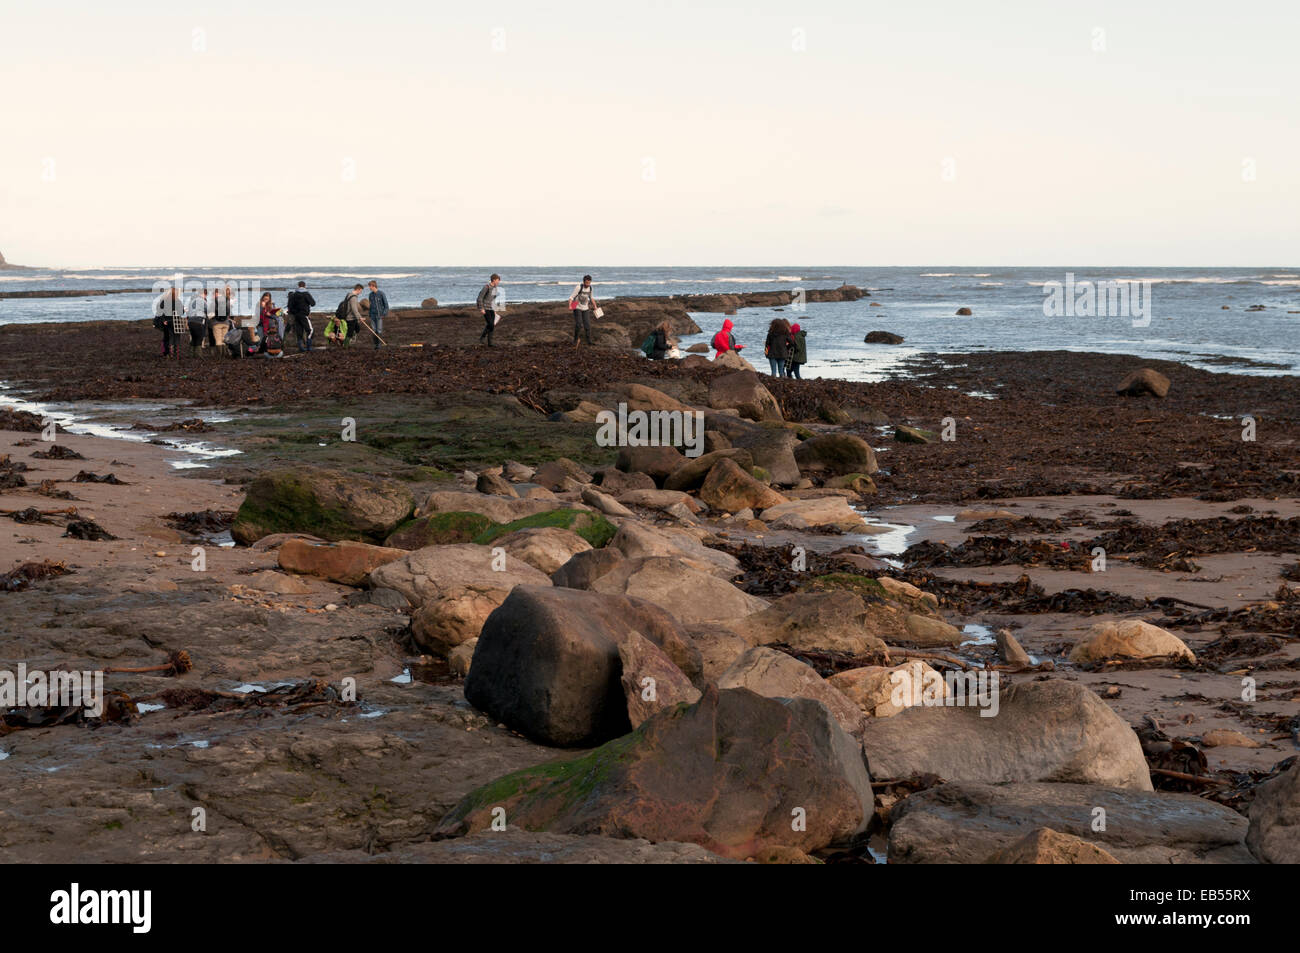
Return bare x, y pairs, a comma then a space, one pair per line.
1234, 320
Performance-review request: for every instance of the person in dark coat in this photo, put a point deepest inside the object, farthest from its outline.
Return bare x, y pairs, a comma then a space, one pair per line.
798, 355
299, 307
777, 346
661, 344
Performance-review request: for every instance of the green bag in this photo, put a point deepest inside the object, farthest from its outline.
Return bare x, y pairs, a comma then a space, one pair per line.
648, 345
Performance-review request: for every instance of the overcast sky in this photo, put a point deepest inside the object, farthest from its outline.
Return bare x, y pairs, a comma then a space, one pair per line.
660, 133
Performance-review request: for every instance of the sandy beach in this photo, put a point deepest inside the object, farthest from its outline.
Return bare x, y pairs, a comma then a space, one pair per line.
1000, 526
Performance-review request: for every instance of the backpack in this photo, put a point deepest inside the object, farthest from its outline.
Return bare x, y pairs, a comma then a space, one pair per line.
648, 345
273, 344
341, 312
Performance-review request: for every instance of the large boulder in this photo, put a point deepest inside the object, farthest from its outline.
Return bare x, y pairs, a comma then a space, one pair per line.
328, 504
1046, 846
875, 688
494, 484
654, 462
836, 454
499, 509
968, 822
732, 773
651, 682
1038, 731
771, 446
731, 359
439, 529
691, 474
560, 474
637, 540
814, 621
925, 631
731, 489
614, 481
1274, 835
443, 623
546, 548
547, 662
830, 511
1130, 639
641, 397
719, 647
607, 504
775, 674
592, 527
434, 571
346, 562
1143, 381
586, 567
667, 501
743, 392
690, 594
882, 337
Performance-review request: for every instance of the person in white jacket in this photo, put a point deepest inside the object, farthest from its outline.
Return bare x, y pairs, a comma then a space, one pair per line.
583, 304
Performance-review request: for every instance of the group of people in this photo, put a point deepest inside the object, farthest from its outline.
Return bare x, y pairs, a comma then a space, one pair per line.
210, 319
786, 346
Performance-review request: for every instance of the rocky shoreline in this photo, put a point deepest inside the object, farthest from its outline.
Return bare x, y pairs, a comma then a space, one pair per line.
562, 637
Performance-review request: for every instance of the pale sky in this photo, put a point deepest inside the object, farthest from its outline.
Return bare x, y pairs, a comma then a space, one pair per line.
660, 133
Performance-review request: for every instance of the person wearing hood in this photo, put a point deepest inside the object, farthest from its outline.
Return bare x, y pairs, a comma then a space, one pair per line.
725, 341
797, 356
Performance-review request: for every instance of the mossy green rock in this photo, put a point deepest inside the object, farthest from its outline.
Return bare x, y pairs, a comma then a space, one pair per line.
865, 586
727, 773
439, 529
592, 527
329, 504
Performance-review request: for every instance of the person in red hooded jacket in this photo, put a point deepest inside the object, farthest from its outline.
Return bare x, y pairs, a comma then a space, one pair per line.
725, 341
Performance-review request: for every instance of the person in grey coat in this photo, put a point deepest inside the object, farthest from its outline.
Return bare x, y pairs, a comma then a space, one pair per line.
354, 312
488, 299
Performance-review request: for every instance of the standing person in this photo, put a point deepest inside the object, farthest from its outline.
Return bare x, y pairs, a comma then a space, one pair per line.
487, 306
777, 346
196, 318
180, 324
725, 341
583, 304
299, 305
268, 319
216, 313
798, 351
378, 308
354, 312
165, 307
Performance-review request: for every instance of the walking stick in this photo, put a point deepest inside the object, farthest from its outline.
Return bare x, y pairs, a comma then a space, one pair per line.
366, 324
